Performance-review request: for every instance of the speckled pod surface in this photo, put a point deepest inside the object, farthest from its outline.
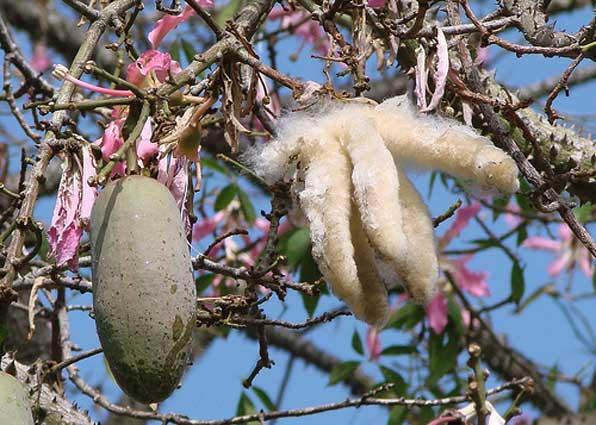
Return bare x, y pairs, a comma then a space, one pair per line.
15, 407
144, 294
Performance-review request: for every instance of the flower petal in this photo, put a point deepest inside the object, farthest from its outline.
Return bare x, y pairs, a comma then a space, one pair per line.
89, 192
436, 313
556, 267
440, 72
462, 219
152, 60
537, 242
167, 24
471, 281
64, 234
373, 344
145, 149
421, 78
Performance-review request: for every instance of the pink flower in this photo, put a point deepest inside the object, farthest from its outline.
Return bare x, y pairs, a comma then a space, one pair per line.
40, 61
522, 419
376, 3
373, 344
462, 219
207, 226
110, 142
570, 252
511, 218
150, 66
468, 280
436, 313
473, 282
169, 22
72, 210
302, 26
145, 149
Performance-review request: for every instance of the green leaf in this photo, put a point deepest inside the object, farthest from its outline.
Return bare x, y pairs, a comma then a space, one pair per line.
357, 343
455, 314
298, 246
408, 316
264, 397
175, 51
518, 285
441, 357
543, 290
189, 51
399, 350
310, 304
44, 249
522, 235
227, 12
398, 415
213, 164
202, 282
246, 407
340, 372
522, 201
246, 206
309, 270
394, 377
431, 183
500, 203
225, 196
584, 213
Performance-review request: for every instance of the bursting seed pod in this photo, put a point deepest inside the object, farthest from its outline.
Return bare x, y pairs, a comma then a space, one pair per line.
369, 227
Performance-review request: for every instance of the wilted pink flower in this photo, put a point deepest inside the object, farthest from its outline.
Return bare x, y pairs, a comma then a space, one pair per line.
72, 210
273, 109
302, 26
40, 61
570, 252
173, 173
523, 419
150, 68
444, 420
373, 344
441, 69
376, 3
169, 22
473, 282
440, 72
421, 78
481, 55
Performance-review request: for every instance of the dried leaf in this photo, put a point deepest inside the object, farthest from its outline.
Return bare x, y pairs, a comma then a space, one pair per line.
421, 78
31, 307
440, 72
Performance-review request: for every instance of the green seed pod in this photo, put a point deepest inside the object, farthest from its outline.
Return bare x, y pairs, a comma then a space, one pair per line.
144, 294
15, 407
